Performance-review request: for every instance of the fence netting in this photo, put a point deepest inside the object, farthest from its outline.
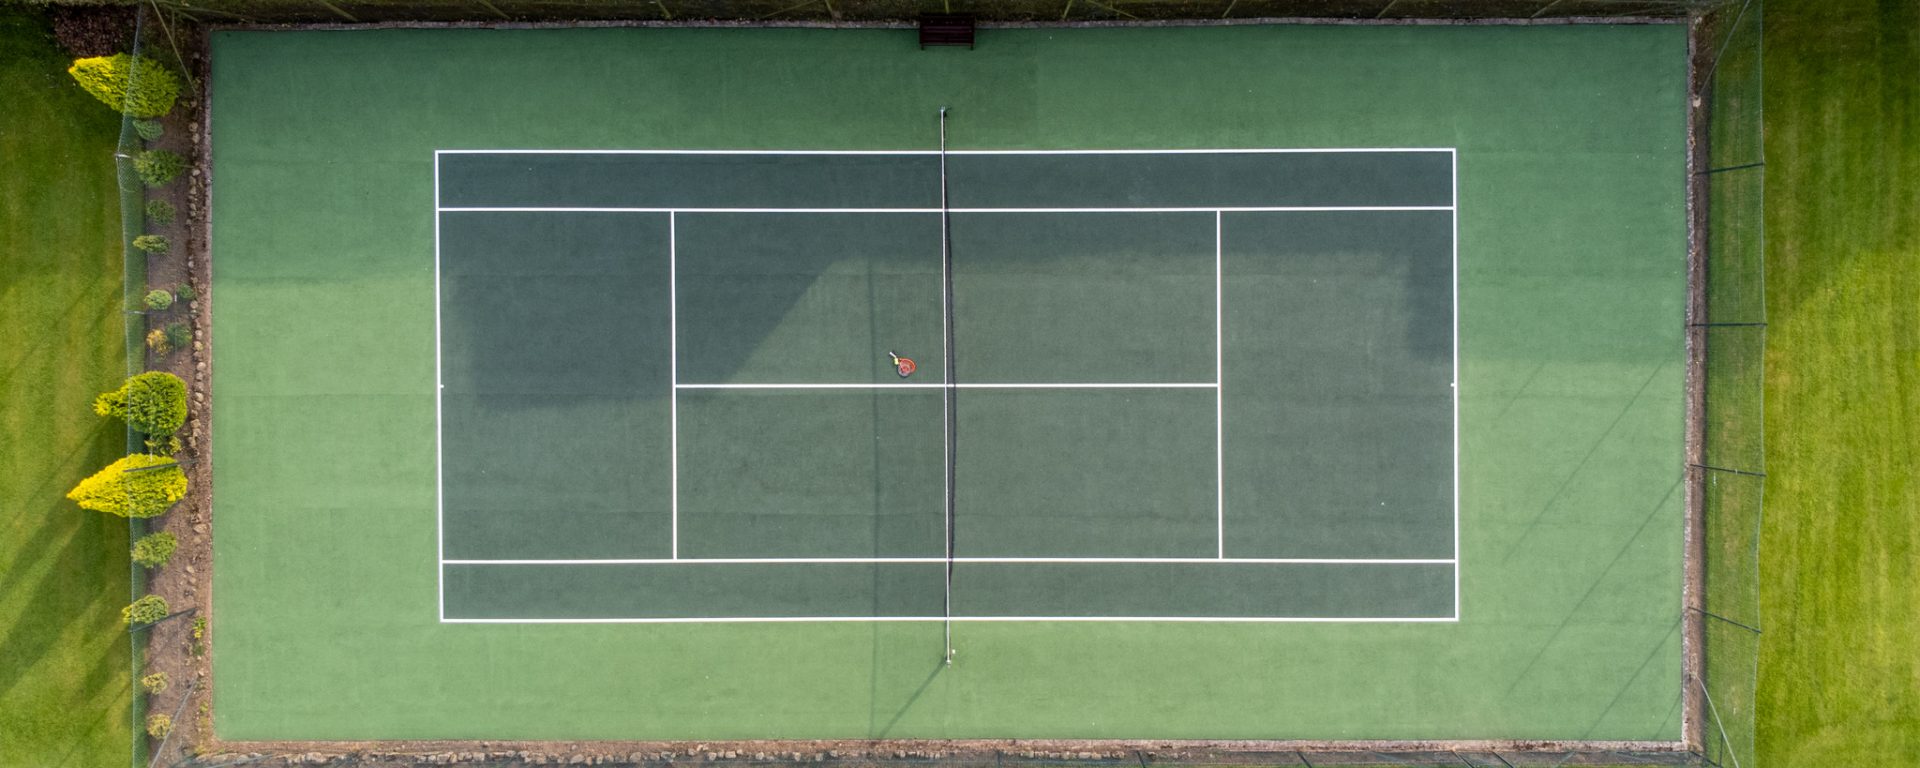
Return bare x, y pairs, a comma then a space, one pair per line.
1729, 321
837, 11
158, 722
134, 330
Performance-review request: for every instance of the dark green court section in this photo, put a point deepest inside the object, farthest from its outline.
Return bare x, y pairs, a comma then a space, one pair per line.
1339, 372
1201, 590
1572, 232
1083, 297
689, 181
811, 473
1085, 473
1203, 180
1199, 180
699, 590
555, 413
806, 297
915, 591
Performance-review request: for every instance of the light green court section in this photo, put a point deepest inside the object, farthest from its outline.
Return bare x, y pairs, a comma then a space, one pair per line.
1571, 162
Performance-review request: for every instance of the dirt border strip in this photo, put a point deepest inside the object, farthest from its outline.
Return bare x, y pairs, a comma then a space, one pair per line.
205, 748
947, 754
1693, 557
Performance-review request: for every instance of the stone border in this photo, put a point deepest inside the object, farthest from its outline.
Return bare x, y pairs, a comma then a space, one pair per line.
198, 745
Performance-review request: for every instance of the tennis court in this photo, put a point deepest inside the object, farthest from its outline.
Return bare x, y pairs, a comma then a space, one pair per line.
1267, 382
693, 350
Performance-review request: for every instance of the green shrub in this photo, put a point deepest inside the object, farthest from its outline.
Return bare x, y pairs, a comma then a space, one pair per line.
156, 244
149, 130
160, 211
157, 298
154, 683
146, 610
159, 724
185, 292
163, 445
128, 487
135, 85
179, 335
154, 549
158, 166
153, 403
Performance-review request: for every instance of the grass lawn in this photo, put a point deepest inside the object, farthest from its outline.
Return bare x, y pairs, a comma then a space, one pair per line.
64, 685
1841, 658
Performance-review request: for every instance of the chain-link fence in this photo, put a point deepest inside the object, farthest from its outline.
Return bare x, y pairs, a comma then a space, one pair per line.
852, 11
1729, 332
148, 156
133, 293
1727, 329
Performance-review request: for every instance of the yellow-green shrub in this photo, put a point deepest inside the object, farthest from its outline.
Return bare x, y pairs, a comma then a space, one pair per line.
146, 610
128, 489
155, 549
137, 86
153, 403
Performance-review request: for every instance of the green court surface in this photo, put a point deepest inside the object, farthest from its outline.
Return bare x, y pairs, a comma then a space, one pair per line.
749, 428
1306, 383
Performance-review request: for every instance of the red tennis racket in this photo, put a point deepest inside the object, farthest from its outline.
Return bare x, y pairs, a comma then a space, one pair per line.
903, 365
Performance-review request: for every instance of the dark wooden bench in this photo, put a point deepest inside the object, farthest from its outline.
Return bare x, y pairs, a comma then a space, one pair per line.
946, 29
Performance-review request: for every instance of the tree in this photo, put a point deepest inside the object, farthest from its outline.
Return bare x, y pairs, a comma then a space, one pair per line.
135, 85
140, 485
153, 403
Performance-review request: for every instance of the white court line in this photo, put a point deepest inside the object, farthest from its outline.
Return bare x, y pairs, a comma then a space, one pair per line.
968, 385
439, 481
929, 152
810, 619
1214, 209
596, 209
673, 366
975, 560
1219, 393
1135, 209
1456, 384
